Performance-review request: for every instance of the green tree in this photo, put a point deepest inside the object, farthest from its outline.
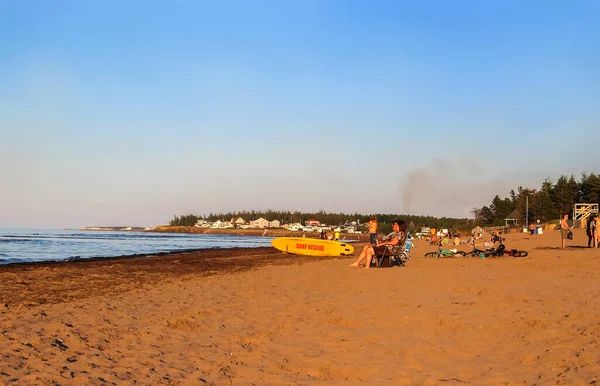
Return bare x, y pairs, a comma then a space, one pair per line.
544, 208
562, 196
590, 188
500, 209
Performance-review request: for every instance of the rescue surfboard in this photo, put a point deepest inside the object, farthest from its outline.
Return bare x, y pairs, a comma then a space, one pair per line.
312, 247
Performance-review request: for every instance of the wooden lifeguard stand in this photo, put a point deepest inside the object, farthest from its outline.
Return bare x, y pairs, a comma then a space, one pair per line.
581, 212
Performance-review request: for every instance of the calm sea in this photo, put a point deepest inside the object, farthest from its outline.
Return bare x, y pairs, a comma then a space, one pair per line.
29, 245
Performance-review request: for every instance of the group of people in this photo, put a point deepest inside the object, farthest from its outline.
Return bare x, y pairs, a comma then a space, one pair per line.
377, 245
592, 231
329, 235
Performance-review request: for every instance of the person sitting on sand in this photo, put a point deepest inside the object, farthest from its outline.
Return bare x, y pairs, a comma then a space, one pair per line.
496, 237
397, 236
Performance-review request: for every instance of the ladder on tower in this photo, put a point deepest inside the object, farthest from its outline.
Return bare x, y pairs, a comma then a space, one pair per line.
581, 212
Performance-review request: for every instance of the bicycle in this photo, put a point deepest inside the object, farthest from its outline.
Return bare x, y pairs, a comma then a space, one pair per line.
501, 251
497, 252
445, 253
481, 253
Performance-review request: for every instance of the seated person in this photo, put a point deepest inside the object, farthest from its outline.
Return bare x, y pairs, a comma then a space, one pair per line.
397, 236
496, 237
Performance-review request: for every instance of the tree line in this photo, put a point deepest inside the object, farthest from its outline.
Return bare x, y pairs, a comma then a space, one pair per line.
329, 218
545, 204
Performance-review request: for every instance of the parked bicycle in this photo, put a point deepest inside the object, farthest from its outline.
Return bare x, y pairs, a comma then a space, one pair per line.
496, 252
501, 251
480, 253
443, 253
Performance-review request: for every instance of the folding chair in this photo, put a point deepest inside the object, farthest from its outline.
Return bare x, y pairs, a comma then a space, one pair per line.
396, 255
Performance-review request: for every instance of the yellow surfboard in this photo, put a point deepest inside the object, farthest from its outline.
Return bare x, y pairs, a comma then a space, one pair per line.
312, 247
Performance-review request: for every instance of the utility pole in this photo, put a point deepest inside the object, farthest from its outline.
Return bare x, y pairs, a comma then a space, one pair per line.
527, 211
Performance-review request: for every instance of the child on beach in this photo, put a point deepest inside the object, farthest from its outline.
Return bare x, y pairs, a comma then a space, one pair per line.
373, 227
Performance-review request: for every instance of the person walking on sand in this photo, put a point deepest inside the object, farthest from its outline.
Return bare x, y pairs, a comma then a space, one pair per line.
373, 227
397, 236
564, 231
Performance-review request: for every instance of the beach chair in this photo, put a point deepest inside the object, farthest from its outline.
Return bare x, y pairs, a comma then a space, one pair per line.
396, 255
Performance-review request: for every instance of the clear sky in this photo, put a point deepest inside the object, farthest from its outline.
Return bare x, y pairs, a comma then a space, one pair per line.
128, 112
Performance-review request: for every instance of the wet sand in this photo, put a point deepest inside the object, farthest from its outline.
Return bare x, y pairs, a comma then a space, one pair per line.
256, 316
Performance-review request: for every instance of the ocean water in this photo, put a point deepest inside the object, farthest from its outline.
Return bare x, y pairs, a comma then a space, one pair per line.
30, 245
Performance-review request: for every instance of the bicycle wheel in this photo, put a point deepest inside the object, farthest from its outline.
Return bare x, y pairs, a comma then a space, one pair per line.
431, 254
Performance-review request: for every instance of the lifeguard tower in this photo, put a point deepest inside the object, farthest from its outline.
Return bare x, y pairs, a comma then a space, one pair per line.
581, 212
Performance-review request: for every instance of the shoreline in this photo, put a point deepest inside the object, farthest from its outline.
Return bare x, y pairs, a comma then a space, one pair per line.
252, 234
153, 267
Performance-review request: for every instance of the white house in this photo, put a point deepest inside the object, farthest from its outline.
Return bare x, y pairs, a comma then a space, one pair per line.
238, 220
296, 226
274, 224
203, 224
260, 223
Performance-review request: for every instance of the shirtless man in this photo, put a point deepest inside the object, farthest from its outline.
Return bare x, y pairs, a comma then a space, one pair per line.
564, 231
370, 250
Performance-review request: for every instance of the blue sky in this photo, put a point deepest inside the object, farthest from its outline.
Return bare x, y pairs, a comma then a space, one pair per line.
129, 112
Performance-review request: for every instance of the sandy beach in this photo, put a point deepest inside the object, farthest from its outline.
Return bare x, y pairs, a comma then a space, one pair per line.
258, 317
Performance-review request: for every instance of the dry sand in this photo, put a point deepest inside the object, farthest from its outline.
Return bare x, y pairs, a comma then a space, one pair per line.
259, 317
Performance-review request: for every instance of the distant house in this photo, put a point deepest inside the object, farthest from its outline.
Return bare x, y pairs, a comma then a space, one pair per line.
217, 224
312, 222
238, 220
513, 218
259, 223
203, 224
274, 224
295, 226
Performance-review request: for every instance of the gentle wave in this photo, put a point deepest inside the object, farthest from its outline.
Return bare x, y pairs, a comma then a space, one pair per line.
58, 245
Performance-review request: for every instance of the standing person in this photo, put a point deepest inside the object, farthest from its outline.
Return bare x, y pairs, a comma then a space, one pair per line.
564, 230
397, 236
596, 230
589, 230
373, 228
